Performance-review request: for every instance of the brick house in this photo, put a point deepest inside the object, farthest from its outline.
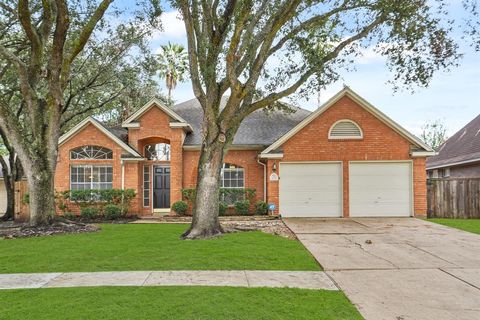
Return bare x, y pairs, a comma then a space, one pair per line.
344, 159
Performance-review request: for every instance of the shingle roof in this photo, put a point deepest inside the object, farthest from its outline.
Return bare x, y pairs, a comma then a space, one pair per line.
259, 128
463, 146
118, 131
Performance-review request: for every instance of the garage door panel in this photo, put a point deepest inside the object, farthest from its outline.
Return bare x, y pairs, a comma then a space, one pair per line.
380, 189
311, 190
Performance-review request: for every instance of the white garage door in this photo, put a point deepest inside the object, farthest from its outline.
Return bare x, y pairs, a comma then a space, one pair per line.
380, 189
311, 189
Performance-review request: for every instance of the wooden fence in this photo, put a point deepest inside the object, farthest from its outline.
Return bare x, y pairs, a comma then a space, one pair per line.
453, 198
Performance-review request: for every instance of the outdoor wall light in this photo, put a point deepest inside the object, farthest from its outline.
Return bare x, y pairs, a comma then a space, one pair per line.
274, 167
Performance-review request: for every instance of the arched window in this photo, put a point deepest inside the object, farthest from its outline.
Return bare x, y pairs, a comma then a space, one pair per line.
91, 153
345, 129
232, 177
157, 151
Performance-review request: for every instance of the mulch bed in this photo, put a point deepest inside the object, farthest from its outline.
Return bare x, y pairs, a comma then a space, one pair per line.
276, 227
12, 230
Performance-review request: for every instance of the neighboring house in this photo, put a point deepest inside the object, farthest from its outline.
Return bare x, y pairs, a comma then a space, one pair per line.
345, 159
459, 156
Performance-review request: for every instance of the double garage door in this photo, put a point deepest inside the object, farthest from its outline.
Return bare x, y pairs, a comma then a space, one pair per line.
376, 189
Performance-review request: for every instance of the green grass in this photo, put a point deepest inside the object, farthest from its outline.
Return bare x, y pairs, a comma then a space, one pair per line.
470, 225
152, 247
190, 303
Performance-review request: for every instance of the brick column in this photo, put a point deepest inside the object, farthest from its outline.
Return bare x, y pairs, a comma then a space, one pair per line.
273, 186
176, 170
346, 189
419, 187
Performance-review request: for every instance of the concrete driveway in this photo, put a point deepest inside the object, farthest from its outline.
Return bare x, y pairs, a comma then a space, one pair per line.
398, 268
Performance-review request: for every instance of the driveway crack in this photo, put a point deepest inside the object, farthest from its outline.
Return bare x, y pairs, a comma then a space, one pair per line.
458, 278
370, 253
433, 255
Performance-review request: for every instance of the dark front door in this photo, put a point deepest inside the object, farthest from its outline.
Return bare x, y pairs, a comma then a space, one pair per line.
161, 187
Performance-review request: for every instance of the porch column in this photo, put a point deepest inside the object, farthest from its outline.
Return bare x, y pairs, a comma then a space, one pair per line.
176, 170
273, 185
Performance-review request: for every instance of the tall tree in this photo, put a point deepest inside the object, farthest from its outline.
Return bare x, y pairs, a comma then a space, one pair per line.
434, 133
173, 66
12, 172
40, 42
260, 51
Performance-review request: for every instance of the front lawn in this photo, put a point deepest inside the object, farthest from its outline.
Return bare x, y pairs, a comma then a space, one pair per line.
175, 303
152, 247
470, 225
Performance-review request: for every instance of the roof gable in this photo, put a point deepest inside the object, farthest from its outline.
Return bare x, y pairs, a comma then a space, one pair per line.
361, 102
90, 120
153, 103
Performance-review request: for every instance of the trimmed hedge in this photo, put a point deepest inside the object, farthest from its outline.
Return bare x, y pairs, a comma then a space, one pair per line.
261, 208
242, 195
118, 201
242, 207
112, 212
180, 207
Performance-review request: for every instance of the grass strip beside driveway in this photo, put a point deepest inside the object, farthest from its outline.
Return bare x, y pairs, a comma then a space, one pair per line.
470, 225
175, 303
127, 247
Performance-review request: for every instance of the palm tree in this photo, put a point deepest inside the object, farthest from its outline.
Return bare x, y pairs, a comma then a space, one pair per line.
173, 66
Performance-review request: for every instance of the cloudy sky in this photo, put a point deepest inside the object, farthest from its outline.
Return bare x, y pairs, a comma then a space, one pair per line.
453, 97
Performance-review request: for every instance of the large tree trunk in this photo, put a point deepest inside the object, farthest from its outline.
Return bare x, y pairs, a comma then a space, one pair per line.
10, 189
205, 223
41, 197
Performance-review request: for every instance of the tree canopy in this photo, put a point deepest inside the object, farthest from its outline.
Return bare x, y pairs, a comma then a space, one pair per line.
261, 51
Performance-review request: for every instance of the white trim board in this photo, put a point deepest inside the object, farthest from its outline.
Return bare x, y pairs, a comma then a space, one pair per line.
453, 164
363, 103
90, 120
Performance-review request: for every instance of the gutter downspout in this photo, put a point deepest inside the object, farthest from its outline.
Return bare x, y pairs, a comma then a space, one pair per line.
264, 179
123, 180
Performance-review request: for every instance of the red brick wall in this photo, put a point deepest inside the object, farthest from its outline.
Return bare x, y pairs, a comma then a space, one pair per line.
380, 142
247, 159
155, 128
89, 135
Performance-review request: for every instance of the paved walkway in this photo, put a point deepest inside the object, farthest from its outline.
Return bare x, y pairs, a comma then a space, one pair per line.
398, 268
240, 278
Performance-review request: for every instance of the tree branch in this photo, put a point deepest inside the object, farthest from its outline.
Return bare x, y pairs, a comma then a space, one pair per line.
82, 39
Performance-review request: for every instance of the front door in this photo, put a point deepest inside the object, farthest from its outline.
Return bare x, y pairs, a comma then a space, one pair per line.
161, 187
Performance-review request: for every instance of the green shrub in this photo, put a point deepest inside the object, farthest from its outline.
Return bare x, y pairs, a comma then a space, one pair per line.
112, 212
89, 212
69, 215
242, 207
222, 208
227, 195
180, 207
101, 198
261, 208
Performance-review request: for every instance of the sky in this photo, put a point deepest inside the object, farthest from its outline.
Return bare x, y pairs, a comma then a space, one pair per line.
453, 97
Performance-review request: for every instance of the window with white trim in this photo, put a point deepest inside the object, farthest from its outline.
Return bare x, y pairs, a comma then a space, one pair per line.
232, 177
91, 153
345, 129
158, 151
86, 177
146, 186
